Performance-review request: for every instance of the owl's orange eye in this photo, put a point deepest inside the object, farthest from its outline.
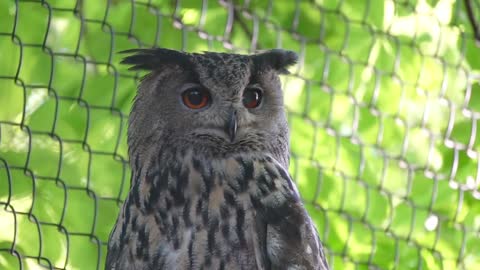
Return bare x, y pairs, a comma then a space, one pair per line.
252, 97
195, 98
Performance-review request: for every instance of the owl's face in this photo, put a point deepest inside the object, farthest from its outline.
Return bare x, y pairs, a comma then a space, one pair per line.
212, 103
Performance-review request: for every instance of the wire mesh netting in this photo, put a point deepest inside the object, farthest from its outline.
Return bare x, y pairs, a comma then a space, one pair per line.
383, 109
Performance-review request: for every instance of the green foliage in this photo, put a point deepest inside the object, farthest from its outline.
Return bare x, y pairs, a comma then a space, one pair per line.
383, 110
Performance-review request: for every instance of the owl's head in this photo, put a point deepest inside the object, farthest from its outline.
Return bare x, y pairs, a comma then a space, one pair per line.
213, 104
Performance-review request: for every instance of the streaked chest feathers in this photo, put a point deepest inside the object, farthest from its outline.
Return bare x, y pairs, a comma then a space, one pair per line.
198, 214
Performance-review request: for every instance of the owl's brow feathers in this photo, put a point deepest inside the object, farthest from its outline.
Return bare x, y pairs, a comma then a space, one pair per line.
157, 58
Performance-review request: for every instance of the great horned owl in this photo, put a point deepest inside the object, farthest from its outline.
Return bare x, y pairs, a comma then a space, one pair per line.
208, 146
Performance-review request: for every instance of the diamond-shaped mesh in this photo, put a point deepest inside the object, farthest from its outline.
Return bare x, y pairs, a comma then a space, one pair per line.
383, 109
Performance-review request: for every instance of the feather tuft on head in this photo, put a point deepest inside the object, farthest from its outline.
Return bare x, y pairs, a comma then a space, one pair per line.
276, 59
155, 58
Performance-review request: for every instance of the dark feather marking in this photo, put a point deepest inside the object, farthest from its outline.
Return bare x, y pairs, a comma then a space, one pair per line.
247, 166
239, 226
286, 177
289, 214
206, 175
142, 244
225, 230
224, 211
162, 215
208, 186
229, 197
186, 213
263, 189
208, 181
212, 229
261, 229
137, 162
198, 208
154, 192
267, 181
247, 175
197, 165
270, 172
190, 250
135, 192
135, 176
173, 232
175, 173
160, 220
183, 152
208, 261
133, 222
235, 186
256, 203
288, 218
162, 180
168, 203
182, 181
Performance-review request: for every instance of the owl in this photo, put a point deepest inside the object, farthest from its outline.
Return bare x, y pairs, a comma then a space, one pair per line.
209, 151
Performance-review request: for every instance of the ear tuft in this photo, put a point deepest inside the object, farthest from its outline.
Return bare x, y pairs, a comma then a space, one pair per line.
154, 59
276, 59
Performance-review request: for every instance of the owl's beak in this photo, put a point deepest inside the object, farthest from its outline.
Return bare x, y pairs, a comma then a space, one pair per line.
231, 127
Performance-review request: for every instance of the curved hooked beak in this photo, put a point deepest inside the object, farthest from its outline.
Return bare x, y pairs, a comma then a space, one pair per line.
231, 126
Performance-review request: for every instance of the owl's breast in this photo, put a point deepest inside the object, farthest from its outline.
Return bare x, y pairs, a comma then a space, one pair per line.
197, 213
218, 225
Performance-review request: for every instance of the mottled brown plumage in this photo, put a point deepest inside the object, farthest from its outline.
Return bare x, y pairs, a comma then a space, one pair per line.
210, 187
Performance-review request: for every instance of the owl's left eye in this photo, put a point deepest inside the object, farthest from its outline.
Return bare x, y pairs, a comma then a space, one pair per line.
195, 98
252, 97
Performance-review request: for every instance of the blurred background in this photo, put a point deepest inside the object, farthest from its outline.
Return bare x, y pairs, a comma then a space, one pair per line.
383, 108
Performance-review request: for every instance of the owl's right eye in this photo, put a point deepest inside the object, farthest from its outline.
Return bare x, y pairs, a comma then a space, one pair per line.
195, 98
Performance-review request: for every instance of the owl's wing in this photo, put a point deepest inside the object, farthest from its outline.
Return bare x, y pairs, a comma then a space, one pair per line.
290, 238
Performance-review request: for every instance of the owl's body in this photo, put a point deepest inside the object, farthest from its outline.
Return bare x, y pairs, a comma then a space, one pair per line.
210, 187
